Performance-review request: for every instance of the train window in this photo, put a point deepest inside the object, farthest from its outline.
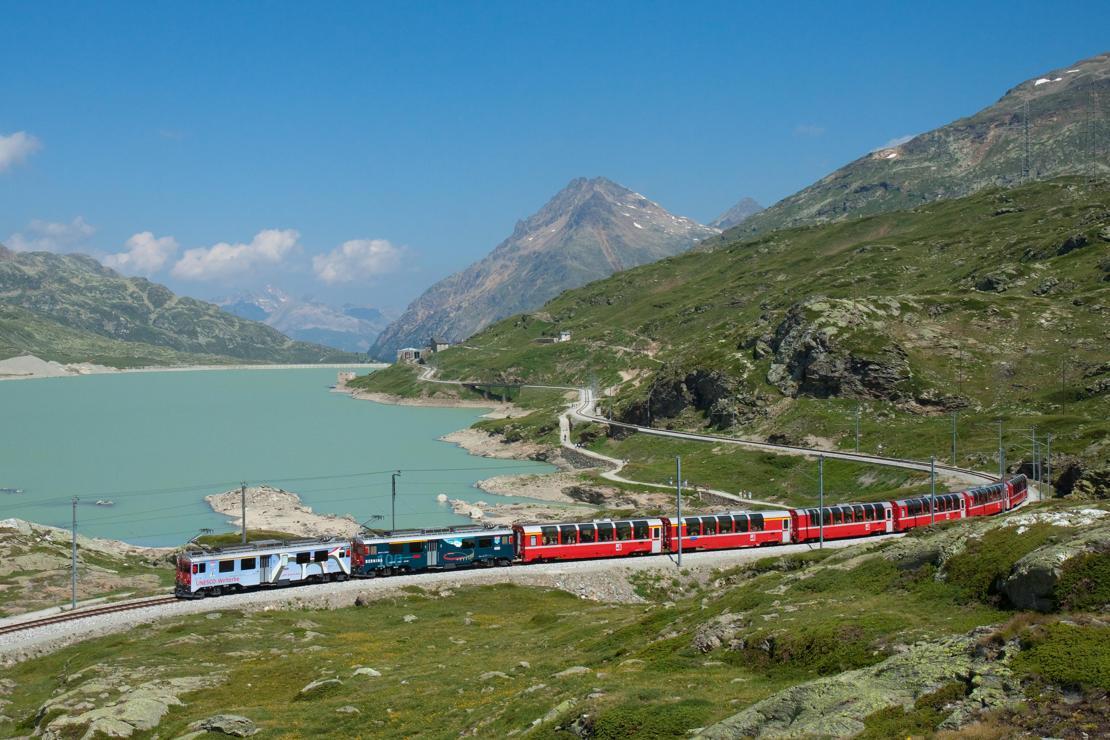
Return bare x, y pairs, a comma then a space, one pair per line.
786, 524
320, 556
888, 513
605, 532
304, 557
467, 544
371, 550
226, 566
195, 568
485, 542
416, 547
860, 517
741, 522
569, 533
639, 530
247, 564
396, 548
587, 533
203, 567
757, 522
532, 540
624, 530
724, 524
693, 527
708, 525
550, 535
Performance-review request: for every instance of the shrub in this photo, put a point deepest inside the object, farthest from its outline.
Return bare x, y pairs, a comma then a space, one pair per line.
652, 720
1066, 654
928, 712
1084, 583
977, 571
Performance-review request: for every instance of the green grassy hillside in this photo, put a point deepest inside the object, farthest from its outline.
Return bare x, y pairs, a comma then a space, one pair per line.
892, 639
990, 306
69, 307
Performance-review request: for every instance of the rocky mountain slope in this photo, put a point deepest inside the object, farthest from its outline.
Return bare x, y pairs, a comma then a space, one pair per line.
736, 215
70, 308
351, 328
990, 305
589, 230
1068, 112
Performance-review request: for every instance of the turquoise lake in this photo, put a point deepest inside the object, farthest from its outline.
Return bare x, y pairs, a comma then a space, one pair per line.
157, 443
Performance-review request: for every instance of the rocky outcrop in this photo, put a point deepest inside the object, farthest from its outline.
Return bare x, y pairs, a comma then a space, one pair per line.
1032, 582
233, 725
724, 400
835, 706
811, 359
105, 706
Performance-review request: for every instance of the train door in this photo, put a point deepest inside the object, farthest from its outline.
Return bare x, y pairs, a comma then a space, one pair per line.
656, 540
433, 553
785, 531
263, 568
889, 520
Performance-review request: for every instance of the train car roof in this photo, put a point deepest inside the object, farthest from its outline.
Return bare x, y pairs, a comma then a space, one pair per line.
409, 535
264, 546
629, 520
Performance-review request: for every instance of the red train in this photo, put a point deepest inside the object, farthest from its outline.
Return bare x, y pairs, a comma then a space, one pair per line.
737, 529
444, 549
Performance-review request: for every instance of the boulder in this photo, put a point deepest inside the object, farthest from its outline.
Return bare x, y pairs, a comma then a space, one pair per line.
712, 634
1032, 582
577, 670
369, 672
490, 675
348, 709
319, 687
234, 725
1072, 243
409, 618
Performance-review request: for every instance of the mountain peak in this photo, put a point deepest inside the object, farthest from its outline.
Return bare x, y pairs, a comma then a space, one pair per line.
745, 209
986, 149
590, 229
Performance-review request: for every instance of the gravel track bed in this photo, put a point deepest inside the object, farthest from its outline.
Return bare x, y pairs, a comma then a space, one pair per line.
598, 580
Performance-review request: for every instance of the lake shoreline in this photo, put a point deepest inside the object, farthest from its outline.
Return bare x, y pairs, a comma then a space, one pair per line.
30, 367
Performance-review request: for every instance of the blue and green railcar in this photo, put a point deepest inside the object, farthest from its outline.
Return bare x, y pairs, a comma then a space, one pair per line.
413, 551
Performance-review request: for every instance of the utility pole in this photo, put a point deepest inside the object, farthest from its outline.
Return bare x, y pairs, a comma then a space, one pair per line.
857, 427
821, 495
932, 490
73, 558
393, 501
1036, 464
678, 502
954, 413
1001, 454
1048, 457
243, 506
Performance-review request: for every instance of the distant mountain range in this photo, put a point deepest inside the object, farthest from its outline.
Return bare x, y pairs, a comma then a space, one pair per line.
71, 308
736, 215
1066, 109
589, 230
350, 328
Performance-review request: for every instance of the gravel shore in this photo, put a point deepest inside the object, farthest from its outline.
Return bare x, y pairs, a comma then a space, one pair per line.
598, 580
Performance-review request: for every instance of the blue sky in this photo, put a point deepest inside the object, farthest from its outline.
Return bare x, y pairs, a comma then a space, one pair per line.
218, 146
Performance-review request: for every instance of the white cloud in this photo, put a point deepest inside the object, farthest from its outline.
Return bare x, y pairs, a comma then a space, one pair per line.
145, 254
223, 260
808, 129
897, 141
14, 148
48, 236
357, 259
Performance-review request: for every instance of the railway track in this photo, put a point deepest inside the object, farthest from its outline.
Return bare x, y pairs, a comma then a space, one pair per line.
84, 613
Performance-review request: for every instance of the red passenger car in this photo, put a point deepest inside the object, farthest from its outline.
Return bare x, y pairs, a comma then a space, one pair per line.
985, 500
842, 521
580, 541
922, 511
1017, 489
728, 530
